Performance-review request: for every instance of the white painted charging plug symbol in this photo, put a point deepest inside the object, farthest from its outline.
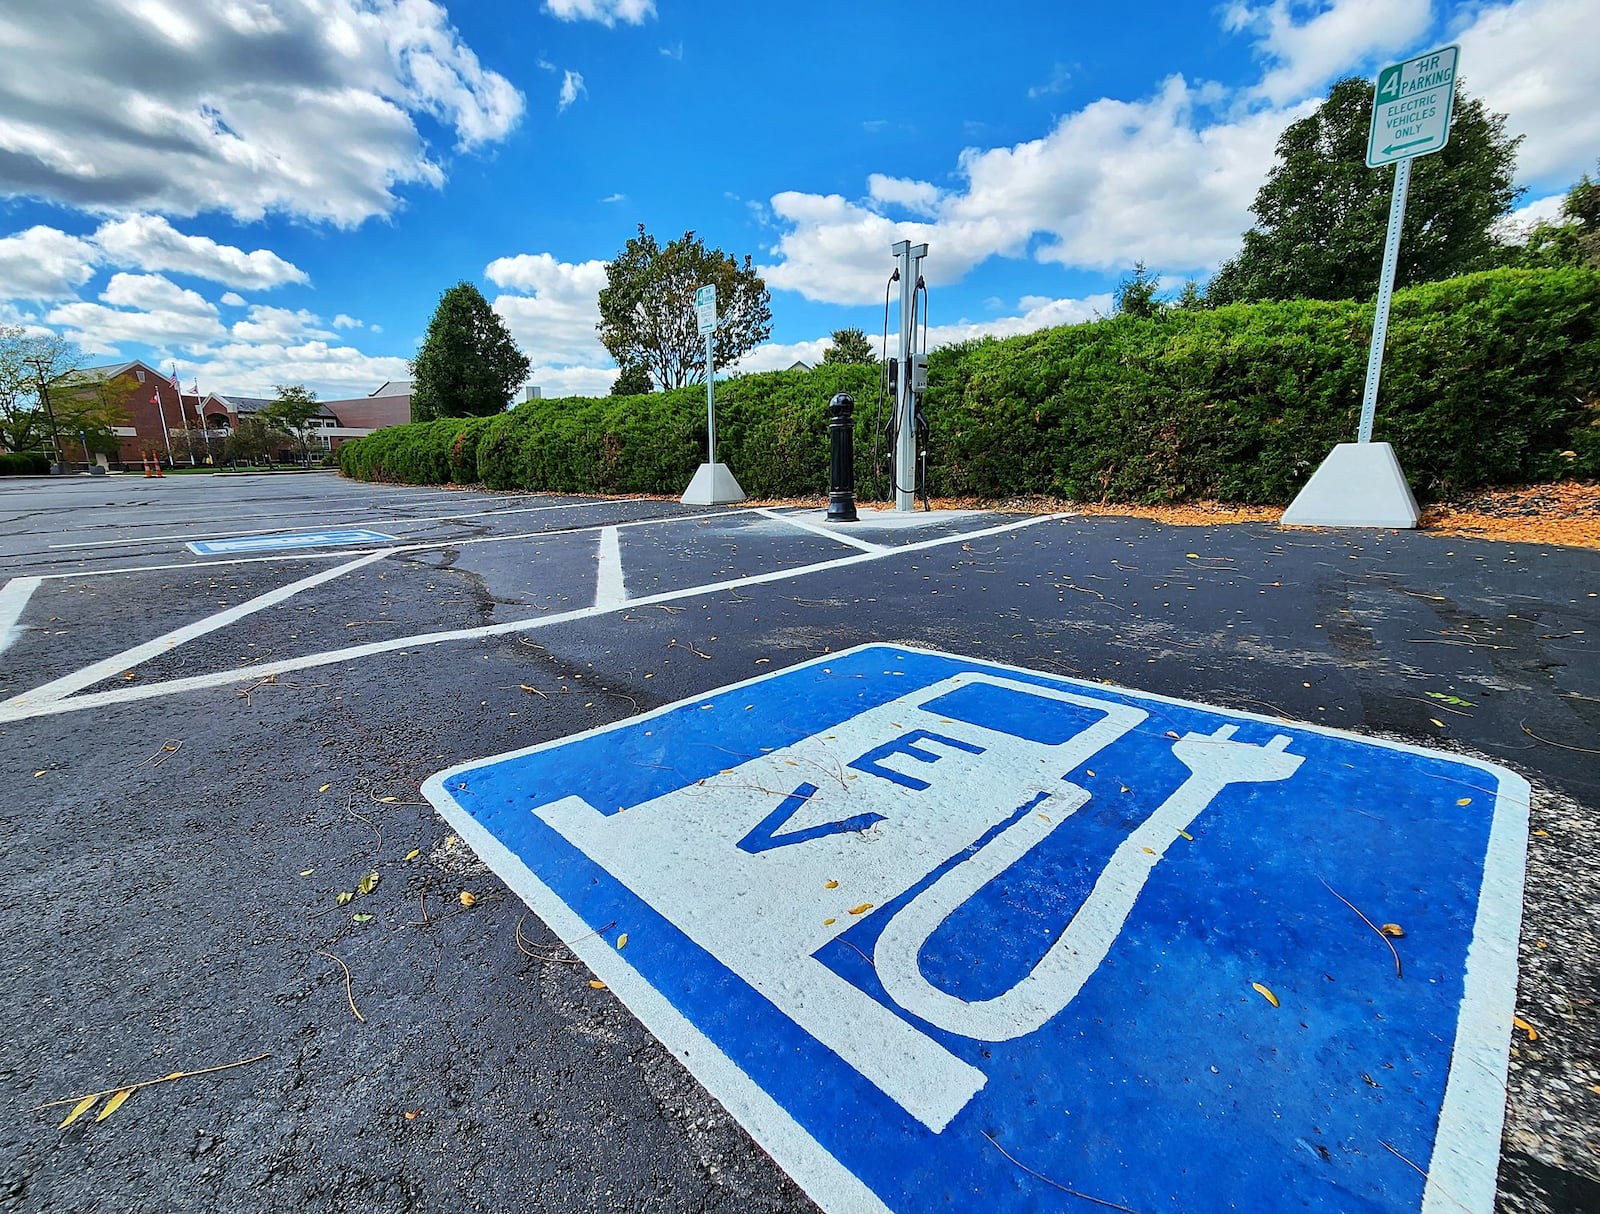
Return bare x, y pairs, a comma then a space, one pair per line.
1214, 761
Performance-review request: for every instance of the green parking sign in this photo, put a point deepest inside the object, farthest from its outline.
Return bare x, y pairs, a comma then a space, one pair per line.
1411, 107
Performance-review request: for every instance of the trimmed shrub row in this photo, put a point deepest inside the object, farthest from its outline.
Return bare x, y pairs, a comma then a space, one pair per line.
24, 463
1488, 379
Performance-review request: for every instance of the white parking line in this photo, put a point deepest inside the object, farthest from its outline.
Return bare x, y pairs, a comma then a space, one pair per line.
817, 529
109, 667
608, 586
14, 596
396, 519
27, 705
392, 551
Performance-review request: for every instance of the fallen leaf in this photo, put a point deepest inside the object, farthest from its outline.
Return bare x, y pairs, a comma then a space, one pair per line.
412, 1116
1519, 1022
597, 984
306, 872
413, 853
1187, 835
1394, 930
1193, 556
1265, 993
37, 774
1149, 851
468, 898
1172, 733
1543, 833
862, 909
361, 918
1442, 698
78, 1110
1437, 722
368, 883
622, 940
1595, 1088
830, 885
343, 898
829, 922
1464, 801
115, 1103
325, 788
387, 800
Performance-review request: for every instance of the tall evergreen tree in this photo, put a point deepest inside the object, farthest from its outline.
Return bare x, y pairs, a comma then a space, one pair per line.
469, 365
849, 346
1322, 214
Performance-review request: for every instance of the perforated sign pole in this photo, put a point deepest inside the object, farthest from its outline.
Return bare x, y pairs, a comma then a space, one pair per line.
705, 304
1410, 118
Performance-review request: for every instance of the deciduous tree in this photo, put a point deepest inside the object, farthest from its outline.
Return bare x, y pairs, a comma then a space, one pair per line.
647, 313
632, 380
293, 410
849, 346
1322, 214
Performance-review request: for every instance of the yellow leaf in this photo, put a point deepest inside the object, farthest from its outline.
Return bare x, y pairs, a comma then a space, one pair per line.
1193, 556
387, 800
1533, 1033
468, 898
622, 940
862, 909
343, 898
325, 788
412, 1116
597, 984
830, 885
1265, 993
1464, 801
306, 872
37, 774
115, 1103
1187, 835
368, 883
1437, 722
413, 853
1393, 929
78, 1110
1595, 1088
829, 922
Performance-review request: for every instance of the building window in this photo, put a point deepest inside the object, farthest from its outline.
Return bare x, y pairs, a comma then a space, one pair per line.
139, 373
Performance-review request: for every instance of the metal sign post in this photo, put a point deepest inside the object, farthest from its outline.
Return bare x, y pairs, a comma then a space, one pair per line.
713, 483
1361, 484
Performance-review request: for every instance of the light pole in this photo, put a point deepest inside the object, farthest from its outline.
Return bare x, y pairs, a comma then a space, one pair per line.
40, 373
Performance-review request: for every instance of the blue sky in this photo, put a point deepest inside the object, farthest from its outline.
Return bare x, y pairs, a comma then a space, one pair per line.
271, 191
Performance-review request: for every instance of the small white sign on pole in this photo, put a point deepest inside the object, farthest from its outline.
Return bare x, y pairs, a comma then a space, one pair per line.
705, 307
1411, 107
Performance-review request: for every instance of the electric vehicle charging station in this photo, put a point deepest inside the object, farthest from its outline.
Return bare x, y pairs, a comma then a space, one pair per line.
906, 378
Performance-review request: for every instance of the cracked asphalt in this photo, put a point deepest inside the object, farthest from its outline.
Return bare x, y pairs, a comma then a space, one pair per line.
168, 887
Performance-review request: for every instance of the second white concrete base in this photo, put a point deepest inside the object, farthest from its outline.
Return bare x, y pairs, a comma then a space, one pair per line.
713, 485
1358, 485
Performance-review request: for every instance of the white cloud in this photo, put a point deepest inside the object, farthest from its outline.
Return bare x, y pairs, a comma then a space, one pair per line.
1112, 183
573, 381
918, 197
149, 242
252, 369
43, 263
1532, 60
606, 12
1060, 78
1038, 312
279, 326
554, 320
1514, 228
1308, 42
232, 299
780, 356
571, 89
146, 309
673, 52
346, 321
613, 198
306, 107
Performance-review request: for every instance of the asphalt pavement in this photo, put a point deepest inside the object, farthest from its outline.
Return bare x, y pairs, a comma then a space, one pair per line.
205, 749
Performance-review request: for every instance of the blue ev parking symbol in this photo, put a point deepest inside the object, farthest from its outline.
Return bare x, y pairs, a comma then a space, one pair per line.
935, 930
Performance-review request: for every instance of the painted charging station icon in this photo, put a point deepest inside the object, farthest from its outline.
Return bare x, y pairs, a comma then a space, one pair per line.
936, 929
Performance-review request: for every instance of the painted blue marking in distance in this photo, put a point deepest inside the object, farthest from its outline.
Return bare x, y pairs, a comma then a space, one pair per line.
1162, 1080
297, 539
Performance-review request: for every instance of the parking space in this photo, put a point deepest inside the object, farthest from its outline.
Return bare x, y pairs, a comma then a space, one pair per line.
228, 740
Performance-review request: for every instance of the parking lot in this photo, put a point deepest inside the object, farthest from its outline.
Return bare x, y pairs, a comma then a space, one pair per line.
223, 699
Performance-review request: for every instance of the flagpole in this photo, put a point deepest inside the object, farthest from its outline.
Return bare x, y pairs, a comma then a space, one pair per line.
188, 440
161, 411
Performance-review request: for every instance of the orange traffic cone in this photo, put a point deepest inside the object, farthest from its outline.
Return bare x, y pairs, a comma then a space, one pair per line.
157, 461
145, 456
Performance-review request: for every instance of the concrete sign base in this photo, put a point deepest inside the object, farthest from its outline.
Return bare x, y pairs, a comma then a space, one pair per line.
713, 485
1358, 485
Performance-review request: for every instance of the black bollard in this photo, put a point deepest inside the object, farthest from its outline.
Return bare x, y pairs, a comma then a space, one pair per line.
842, 461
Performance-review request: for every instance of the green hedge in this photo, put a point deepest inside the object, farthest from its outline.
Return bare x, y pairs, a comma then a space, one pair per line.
1489, 379
24, 463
